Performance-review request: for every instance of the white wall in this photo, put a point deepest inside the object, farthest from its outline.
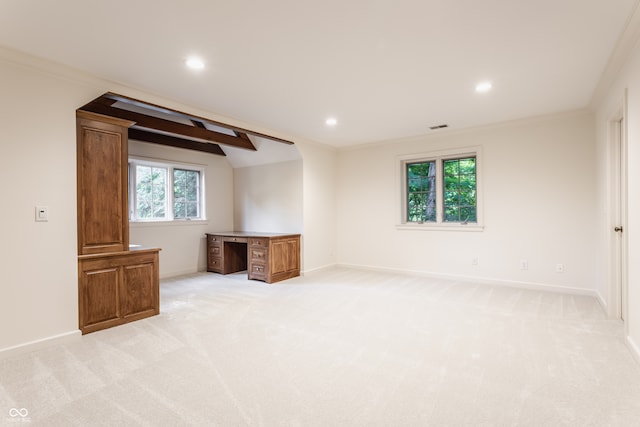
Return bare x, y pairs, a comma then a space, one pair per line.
626, 80
268, 198
319, 205
183, 243
38, 261
539, 204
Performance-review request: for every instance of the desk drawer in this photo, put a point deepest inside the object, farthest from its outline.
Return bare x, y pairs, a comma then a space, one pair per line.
258, 243
234, 239
258, 254
214, 264
257, 271
214, 240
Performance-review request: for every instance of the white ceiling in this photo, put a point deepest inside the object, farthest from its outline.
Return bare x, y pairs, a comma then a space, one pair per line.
384, 68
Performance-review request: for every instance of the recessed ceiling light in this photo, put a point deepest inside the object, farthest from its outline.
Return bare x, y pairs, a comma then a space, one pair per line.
195, 63
331, 121
483, 87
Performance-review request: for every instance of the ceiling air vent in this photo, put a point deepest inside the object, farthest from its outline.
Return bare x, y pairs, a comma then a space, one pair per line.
438, 127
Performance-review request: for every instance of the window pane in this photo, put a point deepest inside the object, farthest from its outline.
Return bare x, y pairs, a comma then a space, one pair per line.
415, 185
451, 198
186, 193
468, 214
451, 167
468, 198
421, 194
460, 198
451, 183
150, 192
467, 182
428, 184
467, 166
192, 210
414, 170
452, 214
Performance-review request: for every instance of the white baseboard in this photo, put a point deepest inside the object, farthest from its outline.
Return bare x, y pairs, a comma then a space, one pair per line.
602, 302
482, 280
634, 348
321, 268
173, 274
30, 346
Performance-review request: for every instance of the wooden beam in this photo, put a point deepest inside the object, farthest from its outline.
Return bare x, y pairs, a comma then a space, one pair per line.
163, 125
242, 135
116, 97
172, 141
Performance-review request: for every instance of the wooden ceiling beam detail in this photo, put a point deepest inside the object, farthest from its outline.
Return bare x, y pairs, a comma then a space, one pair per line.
150, 122
116, 97
172, 141
242, 135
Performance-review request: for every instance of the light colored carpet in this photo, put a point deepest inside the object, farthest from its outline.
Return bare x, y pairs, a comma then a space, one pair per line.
337, 348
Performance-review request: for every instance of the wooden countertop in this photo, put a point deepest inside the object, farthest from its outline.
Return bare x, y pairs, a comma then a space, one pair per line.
250, 234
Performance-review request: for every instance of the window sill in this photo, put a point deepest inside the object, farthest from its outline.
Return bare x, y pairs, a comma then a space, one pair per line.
179, 223
440, 227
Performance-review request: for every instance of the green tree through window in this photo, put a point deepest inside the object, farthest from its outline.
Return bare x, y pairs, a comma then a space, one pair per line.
186, 193
460, 190
441, 190
421, 192
150, 192
161, 191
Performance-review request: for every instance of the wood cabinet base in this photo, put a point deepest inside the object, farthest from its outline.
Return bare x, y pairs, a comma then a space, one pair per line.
117, 288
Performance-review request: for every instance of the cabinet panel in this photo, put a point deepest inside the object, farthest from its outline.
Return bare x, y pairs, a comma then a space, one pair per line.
102, 180
103, 224
139, 293
117, 288
284, 256
100, 296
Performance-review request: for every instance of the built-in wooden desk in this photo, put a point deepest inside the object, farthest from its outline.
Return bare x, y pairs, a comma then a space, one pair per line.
269, 257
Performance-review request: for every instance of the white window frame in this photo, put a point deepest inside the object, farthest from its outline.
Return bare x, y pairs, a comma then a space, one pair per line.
439, 156
170, 166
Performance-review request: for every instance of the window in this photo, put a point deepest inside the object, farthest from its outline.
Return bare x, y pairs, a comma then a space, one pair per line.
441, 190
186, 193
459, 178
161, 191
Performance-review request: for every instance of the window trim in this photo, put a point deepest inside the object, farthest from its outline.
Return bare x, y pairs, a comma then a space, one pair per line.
170, 165
439, 156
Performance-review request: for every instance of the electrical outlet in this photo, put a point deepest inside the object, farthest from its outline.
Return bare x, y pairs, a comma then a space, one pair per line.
42, 213
559, 268
475, 260
524, 264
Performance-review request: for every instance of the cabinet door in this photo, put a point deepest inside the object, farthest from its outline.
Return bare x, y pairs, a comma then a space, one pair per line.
284, 256
139, 289
117, 288
99, 297
102, 173
284, 259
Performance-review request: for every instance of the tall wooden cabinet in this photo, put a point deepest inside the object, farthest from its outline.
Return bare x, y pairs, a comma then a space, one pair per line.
102, 150
115, 285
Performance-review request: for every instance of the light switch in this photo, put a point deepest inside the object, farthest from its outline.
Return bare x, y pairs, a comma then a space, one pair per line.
42, 213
